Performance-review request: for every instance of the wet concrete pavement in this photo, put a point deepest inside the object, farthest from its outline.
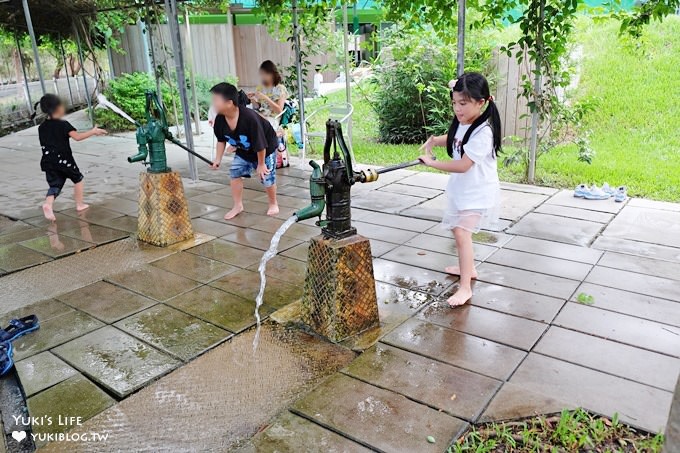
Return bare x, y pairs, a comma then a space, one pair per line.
577, 304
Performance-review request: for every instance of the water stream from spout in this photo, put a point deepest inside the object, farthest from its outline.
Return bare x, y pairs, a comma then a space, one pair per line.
269, 254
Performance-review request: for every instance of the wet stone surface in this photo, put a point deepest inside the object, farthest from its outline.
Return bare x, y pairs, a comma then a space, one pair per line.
173, 331
456, 391
115, 360
154, 282
228, 252
194, 267
42, 371
411, 278
246, 283
56, 245
14, 257
74, 397
106, 302
554, 228
293, 434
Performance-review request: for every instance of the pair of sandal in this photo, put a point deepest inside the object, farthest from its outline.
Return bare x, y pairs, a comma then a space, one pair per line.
17, 328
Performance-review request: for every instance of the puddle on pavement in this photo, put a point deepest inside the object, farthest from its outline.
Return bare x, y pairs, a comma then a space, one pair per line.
218, 401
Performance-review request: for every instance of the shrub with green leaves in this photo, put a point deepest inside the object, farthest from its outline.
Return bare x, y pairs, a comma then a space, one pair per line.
203, 85
127, 92
412, 97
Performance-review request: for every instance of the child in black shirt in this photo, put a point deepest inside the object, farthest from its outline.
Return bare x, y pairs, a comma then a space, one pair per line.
243, 131
57, 158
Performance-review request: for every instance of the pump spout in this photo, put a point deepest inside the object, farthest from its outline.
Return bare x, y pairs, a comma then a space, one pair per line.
317, 190
142, 146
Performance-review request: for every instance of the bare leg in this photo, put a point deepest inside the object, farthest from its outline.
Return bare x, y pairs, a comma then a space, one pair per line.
237, 195
78, 196
273, 205
466, 262
47, 208
455, 270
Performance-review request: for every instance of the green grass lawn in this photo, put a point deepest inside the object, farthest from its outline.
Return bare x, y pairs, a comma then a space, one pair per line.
636, 126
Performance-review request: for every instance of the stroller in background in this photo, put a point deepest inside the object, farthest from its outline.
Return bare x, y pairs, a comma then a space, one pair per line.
285, 118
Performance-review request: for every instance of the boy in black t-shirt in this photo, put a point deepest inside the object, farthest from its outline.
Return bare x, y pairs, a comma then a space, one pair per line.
57, 158
244, 132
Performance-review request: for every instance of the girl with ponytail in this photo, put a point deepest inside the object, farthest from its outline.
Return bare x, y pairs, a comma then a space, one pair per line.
473, 191
57, 160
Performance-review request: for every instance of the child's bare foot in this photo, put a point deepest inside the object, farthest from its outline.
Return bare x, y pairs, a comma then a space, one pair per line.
273, 210
81, 206
236, 210
460, 297
455, 270
49, 214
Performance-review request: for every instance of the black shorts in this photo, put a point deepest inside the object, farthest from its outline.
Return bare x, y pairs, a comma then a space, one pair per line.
57, 178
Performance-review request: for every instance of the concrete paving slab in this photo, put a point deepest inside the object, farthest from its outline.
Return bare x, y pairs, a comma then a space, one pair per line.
650, 368
243, 220
63, 222
197, 209
654, 204
106, 302
74, 397
246, 284
447, 245
655, 226
625, 329
411, 278
431, 209
659, 252
53, 332
150, 281
640, 265
566, 198
575, 213
384, 202
640, 405
515, 302
218, 307
554, 249
540, 264
290, 433
14, 257
396, 304
93, 214
633, 304
173, 331
425, 259
229, 252
125, 223
26, 233
382, 419
548, 285
400, 221
528, 188
458, 392
403, 189
230, 392
554, 228
514, 331
56, 245
634, 282
427, 179
258, 239
287, 269
384, 233
44, 310
214, 199
211, 227
379, 248
194, 267
42, 371
96, 234
121, 205
115, 360
456, 348
515, 401
300, 252
515, 205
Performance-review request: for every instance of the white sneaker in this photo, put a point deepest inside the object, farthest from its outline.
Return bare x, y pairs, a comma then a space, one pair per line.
607, 189
595, 193
620, 195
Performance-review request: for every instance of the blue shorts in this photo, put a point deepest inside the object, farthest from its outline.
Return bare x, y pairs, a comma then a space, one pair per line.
241, 168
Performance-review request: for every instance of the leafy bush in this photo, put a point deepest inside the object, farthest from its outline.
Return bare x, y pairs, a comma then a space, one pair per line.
127, 92
411, 97
203, 86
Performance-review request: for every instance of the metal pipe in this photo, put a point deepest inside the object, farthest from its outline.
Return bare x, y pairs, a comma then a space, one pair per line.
460, 52
348, 85
145, 46
189, 150
27, 91
68, 81
298, 72
192, 78
538, 82
34, 43
398, 166
171, 13
81, 58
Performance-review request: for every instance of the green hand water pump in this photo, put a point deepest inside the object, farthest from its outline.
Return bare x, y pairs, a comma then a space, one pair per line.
151, 136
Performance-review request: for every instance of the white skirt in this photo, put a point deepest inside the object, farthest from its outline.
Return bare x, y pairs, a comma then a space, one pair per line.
471, 220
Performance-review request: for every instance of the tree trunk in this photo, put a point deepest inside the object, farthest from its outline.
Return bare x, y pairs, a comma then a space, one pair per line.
18, 73
672, 443
57, 69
